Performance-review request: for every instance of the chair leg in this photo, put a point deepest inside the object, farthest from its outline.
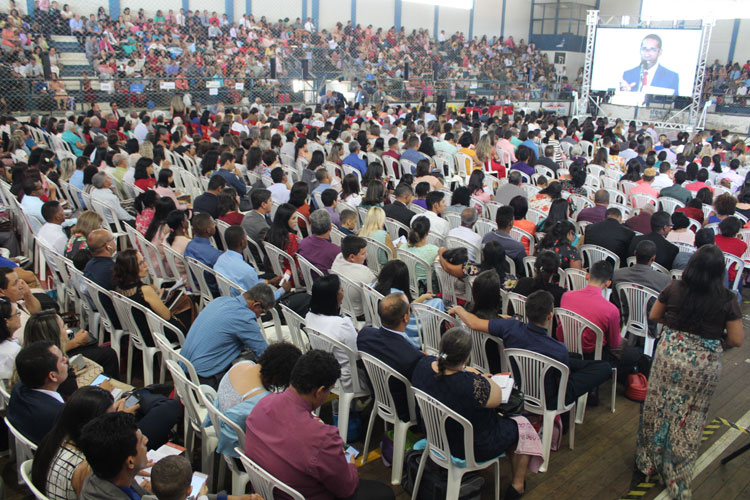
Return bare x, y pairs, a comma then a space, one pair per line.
399, 442
148, 367
581, 408
572, 429
453, 488
370, 424
497, 479
614, 388
547, 428
345, 403
162, 370
420, 471
221, 475
130, 361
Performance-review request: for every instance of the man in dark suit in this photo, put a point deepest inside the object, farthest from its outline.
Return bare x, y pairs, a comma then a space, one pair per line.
34, 402
661, 224
650, 72
399, 209
611, 234
390, 345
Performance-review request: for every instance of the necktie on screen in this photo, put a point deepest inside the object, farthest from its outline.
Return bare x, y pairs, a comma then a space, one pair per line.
644, 81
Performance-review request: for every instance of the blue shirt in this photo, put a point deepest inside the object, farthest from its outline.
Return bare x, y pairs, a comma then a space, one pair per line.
76, 179
414, 156
532, 146
355, 161
219, 333
233, 181
233, 266
201, 250
320, 189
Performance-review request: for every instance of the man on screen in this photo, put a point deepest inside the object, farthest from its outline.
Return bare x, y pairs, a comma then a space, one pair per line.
650, 73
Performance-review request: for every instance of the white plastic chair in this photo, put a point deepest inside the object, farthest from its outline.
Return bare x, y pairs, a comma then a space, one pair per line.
309, 272
631, 261
227, 287
435, 415
276, 257
430, 326
412, 261
732, 261
448, 285
573, 279
295, 323
240, 478
352, 291
395, 228
532, 369
636, 298
572, 326
456, 242
99, 296
479, 360
195, 414
385, 407
374, 250
594, 253
518, 302
370, 300
670, 204
639, 200
264, 484
24, 448
484, 226
319, 340
26, 476
199, 271
168, 351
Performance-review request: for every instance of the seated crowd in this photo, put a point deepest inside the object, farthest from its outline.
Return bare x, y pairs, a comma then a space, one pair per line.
358, 221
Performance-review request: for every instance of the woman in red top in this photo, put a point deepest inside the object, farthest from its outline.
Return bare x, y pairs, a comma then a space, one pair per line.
694, 210
282, 235
298, 198
729, 243
144, 174
228, 204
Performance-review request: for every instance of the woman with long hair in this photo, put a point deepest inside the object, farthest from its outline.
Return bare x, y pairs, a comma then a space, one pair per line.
375, 196
10, 323
282, 233
456, 262
301, 155
308, 174
424, 174
336, 154
164, 187
59, 467
560, 239
179, 237
633, 171
145, 206
546, 277
144, 174
87, 222
228, 206
298, 197
487, 155
574, 185
350, 190
374, 228
701, 318
157, 230
417, 244
559, 210
477, 188
544, 198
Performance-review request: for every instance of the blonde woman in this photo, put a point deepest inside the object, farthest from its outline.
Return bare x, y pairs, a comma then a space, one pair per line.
67, 167
336, 151
87, 222
486, 152
373, 228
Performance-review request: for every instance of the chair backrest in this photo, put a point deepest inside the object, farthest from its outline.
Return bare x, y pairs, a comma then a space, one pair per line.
199, 271
374, 251
412, 261
430, 326
352, 291
380, 375
631, 261
26, 475
484, 226
370, 300
207, 395
670, 204
456, 242
227, 287
528, 265
435, 415
639, 200
125, 308
100, 296
573, 279
309, 272
595, 253
453, 218
173, 257
187, 391
319, 340
572, 325
221, 228
168, 351
518, 234
264, 484
296, 323
479, 360
518, 302
24, 445
636, 297
737, 264
277, 257
531, 369
394, 227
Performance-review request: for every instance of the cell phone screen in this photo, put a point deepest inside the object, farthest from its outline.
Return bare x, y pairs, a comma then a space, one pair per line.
99, 379
131, 401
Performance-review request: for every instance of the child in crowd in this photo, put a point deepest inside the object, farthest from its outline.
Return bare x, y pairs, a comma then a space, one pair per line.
170, 480
348, 222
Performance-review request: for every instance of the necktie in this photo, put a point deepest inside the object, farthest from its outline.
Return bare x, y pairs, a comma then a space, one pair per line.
644, 81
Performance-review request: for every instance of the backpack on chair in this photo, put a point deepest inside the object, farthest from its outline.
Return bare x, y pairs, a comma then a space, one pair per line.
435, 480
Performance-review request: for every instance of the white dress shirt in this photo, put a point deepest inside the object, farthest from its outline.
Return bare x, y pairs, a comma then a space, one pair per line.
358, 273
279, 192
54, 236
107, 197
341, 329
467, 234
438, 225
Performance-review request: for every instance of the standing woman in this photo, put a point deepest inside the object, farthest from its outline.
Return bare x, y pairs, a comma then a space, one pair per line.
696, 311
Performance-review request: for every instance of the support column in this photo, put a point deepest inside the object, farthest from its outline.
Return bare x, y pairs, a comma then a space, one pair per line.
502, 22
396, 15
316, 13
471, 20
186, 6
733, 41
248, 7
228, 9
114, 9
435, 28
353, 14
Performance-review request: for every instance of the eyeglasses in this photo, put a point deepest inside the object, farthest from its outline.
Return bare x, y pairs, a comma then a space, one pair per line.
650, 49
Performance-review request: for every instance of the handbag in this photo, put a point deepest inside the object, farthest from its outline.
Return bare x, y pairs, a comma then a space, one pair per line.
515, 403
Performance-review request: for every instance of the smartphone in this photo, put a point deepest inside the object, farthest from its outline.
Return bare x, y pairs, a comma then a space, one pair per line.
132, 400
99, 379
351, 452
197, 482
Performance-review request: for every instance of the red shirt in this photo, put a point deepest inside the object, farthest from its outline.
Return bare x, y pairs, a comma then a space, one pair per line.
692, 212
733, 246
697, 186
591, 304
232, 218
145, 184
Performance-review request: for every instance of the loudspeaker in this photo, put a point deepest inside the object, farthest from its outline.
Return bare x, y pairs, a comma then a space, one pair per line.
406, 70
273, 67
305, 69
46, 69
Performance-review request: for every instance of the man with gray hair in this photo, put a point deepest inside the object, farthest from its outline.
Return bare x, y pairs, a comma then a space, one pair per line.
223, 328
511, 189
468, 219
102, 193
317, 248
76, 143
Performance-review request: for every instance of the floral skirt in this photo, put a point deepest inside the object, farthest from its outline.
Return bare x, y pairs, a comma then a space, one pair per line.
683, 378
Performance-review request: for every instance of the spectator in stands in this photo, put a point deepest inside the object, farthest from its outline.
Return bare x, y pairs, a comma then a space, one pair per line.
423, 174
74, 141
417, 245
661, 225
200, 248
350, 190
373, 228
521, 165
256, 221
511, 189
145, 206
298, 198
324, 317
476, 398
223, 328
591, 304
99, 269
399, 209
142, 129
520, 207
559, 211
171, 479
144, 174
103, 193
725, 206
281, 234
597, 213
59, 470
664, 179
231, 174
642, 222
350, 264
208, 202
700, 182
306, 439
464, 231
228, 207
641, 272
411, 152
677, 191
548, 159
329, 198
115, 449
34, 402
542, 201
645, 187
246, 383
696, 311
353, 160
561, 238
375, 196
280, 187
10, 322
51, 233
317, 248
680, 232
513, 249
730, 244
435, 202
177, 239
546, 277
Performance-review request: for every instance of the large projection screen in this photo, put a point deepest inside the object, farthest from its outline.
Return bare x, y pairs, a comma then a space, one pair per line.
631, 60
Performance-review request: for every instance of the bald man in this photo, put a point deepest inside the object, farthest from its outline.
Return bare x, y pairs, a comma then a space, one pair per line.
390, 345
102, 247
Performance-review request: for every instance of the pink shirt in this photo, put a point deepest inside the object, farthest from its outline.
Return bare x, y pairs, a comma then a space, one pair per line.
644, 188
591, 304
283, 437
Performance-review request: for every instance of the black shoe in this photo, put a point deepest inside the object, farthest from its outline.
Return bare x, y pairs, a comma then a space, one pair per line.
511, 493
162, 389
593, 399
